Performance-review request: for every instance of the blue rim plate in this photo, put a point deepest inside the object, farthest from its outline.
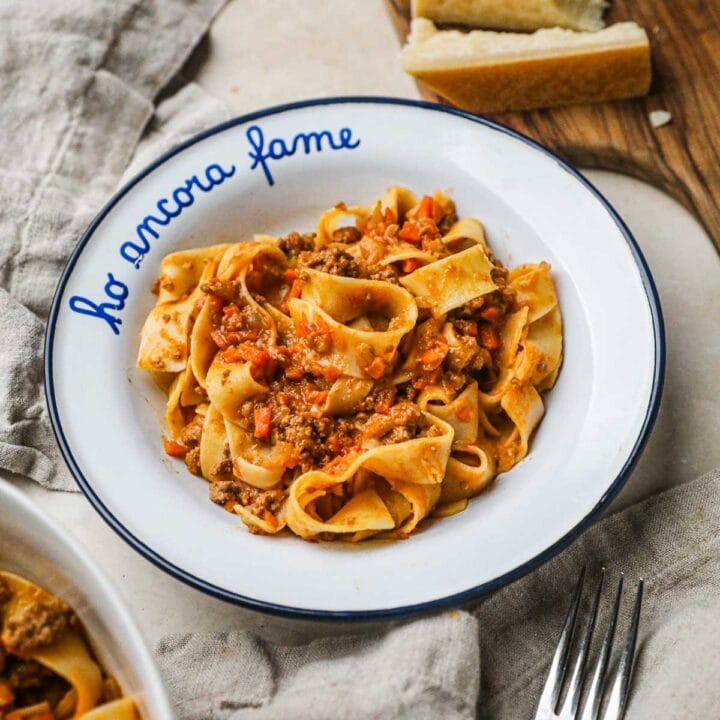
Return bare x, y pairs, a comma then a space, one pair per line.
287, 176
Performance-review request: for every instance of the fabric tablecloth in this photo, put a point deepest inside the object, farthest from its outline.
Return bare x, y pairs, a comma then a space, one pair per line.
78, 89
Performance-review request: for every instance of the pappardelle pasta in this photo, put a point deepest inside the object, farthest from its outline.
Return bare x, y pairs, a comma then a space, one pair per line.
47, 670
350, 382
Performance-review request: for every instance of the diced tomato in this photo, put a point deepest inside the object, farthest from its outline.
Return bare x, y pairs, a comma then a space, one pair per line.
219, 339
410, 232
376, 369
262, 416
411, 265
317, 397
489, 338
331, 373
426, 207
174, 449
491, 313
463, 414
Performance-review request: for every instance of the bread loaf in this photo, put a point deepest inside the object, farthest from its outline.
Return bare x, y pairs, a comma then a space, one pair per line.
514, 14
484, 71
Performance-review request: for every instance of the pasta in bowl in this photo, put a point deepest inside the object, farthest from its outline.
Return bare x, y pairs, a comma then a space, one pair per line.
47, 670
349, 383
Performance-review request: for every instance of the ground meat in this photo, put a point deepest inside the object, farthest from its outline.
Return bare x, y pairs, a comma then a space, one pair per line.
346, 235
332, 259
295, 243
192, 432
406, 413
221, 467
255, 500
464, 354
36, 624
27, 674
226, 289
192, 461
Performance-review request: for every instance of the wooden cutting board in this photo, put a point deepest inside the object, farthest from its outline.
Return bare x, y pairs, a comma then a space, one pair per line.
683, 158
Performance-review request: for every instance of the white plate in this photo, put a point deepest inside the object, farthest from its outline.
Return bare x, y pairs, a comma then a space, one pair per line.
33, 546
108, 416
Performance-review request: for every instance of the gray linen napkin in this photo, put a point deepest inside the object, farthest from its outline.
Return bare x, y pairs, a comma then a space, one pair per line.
429, 668
77, 83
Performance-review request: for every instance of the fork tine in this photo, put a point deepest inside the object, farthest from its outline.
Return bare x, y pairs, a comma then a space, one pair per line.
621, 684
553, 684
570, 706
591, 710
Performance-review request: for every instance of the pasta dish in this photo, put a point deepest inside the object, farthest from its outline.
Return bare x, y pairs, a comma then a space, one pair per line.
47, 670
350, 382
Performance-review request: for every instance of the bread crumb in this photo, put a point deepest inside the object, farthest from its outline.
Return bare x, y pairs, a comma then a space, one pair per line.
658, 118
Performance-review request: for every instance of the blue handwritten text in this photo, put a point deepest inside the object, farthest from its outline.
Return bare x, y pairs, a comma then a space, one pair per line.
116, 291
277, 148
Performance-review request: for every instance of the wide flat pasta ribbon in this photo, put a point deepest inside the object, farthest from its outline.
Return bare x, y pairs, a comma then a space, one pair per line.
452, 281
414, 469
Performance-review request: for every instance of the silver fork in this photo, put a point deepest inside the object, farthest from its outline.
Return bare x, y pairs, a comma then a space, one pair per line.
558, 675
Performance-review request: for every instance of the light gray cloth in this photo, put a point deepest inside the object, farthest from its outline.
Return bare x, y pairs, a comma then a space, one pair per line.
429, 668
77, 84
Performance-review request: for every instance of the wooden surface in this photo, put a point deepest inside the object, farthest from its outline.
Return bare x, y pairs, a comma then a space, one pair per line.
682, 158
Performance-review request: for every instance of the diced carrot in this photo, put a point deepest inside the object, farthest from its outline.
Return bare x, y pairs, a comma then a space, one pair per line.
230, 310
410, 232
295, 289
174, 449
411, 264
219, 339
384, 405
302, 329
6, 695
432, 358
254, 355
232, 354
376, 369
492, 313
426, 207
290, 275
317, 397
489, 337
294, 373
262, 416
463, 414
270, 519
294, 292
331, 373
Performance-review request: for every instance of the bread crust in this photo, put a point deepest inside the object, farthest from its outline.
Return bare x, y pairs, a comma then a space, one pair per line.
573, 78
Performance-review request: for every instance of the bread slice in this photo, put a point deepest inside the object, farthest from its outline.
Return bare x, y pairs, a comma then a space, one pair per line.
514, 14
483, 71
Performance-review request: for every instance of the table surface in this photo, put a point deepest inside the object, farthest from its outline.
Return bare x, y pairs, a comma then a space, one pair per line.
317, 52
